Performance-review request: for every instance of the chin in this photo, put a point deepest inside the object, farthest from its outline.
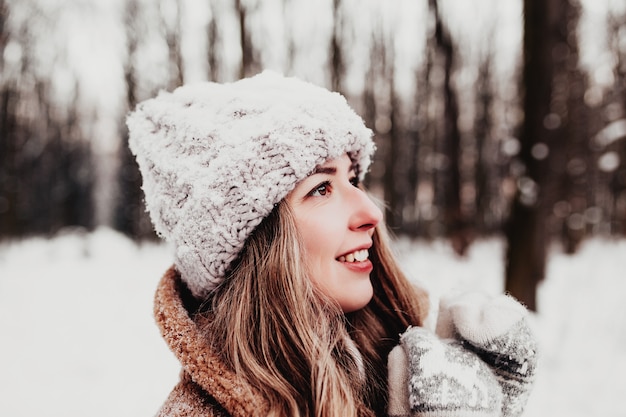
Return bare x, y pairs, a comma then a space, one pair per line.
355, 302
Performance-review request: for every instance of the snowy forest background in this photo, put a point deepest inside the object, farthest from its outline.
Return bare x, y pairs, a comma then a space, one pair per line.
501, 131
491, 117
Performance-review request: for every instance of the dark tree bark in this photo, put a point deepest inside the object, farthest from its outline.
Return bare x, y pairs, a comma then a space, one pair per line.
75, 168
486, 175
371, 104
373, 180
4, 31
411, 175
9, 139
337, 65
172, 34
130, 215
544, 114
401, 165
288, 7
213, 42
427, 129
568, 153
393, 177
249, 60
8, 99
618, 181
526, 234
456, 223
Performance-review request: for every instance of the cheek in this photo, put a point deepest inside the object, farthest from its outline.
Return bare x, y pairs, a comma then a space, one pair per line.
320, 237
321, 243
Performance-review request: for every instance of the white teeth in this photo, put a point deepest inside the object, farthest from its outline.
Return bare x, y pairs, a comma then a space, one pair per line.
358, 256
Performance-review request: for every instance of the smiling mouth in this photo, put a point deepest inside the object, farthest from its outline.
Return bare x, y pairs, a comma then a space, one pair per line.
356, 256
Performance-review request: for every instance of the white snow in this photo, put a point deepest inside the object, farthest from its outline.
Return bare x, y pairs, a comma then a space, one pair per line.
78, 338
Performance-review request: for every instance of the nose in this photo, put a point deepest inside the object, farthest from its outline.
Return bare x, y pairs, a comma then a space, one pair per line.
365, 215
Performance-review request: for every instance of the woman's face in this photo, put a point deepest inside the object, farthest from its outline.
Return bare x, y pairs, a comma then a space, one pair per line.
336, 220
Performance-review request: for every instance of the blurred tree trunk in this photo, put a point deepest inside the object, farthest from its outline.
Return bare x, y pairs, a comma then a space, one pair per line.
426, 171
212, 43
249, 61
373, 181
483, 176
4, 32
401, 166
393, 177
130, 215
617, 25
567, 155
526, 233
171, 22
9, 217
618, 188
74, 167
289, 6
8, 214
527, 229
411, 152
337, 65
374, 111
456, 224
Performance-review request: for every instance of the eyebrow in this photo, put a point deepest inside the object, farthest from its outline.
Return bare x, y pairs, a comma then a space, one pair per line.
332, 170
325, 170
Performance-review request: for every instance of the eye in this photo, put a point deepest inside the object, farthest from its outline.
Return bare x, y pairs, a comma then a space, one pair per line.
321, 190
355, 181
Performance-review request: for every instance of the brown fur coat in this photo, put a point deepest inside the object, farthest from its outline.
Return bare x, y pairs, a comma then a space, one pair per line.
206, 387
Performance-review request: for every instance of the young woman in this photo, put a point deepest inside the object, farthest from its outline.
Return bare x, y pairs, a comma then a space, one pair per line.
284, 299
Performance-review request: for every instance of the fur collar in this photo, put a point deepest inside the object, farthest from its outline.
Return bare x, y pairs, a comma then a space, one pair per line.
198, 360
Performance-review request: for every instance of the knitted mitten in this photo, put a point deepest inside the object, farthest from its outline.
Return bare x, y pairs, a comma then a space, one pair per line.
432, 377
496, 328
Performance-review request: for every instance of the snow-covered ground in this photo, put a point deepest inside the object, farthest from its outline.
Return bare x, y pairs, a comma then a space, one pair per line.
78, 339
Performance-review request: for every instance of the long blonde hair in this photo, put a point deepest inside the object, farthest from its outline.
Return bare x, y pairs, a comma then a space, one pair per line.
279, 333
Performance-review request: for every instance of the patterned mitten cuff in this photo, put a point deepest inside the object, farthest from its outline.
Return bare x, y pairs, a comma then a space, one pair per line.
443, 379
496, 328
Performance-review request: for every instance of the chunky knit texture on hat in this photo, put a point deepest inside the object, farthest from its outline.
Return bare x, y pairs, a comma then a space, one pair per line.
216, 158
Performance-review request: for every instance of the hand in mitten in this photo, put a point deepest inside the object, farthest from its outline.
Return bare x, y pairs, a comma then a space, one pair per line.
433, 377
496, 328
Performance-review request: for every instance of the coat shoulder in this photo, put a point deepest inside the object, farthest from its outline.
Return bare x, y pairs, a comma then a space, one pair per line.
187, 399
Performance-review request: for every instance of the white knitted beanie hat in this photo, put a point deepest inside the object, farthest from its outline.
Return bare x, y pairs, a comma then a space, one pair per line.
216, 158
